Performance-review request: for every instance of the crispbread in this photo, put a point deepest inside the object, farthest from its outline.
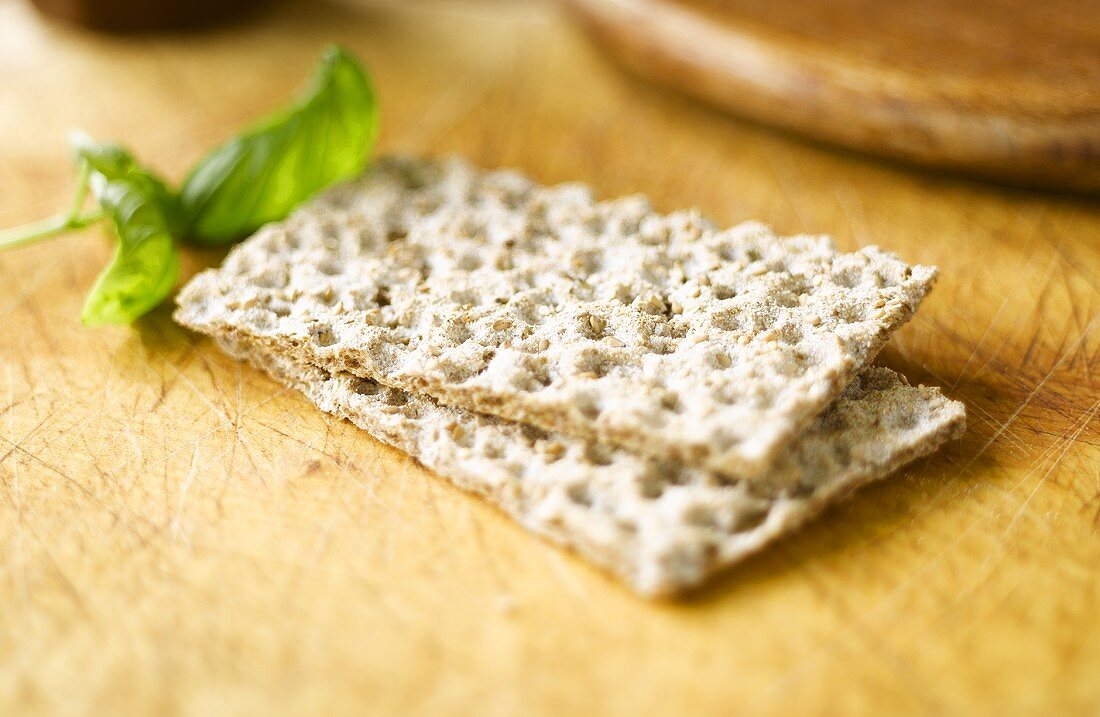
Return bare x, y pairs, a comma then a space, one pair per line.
661, 526
606, 320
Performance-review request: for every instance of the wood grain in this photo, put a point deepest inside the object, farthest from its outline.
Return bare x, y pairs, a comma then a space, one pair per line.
179, 536
1004, 89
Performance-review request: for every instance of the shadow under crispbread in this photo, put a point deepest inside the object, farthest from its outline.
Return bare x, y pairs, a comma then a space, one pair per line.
660, 526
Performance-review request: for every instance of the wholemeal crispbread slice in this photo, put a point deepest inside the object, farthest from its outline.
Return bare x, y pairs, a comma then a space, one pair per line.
659, 525
607, 320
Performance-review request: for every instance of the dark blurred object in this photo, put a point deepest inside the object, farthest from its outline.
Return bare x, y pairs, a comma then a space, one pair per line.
137, 15
1003, 89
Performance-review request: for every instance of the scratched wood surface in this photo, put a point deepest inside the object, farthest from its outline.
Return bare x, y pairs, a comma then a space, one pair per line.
180, 536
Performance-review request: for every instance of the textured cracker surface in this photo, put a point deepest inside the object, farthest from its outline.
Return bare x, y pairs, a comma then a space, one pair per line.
659, 525
659, 333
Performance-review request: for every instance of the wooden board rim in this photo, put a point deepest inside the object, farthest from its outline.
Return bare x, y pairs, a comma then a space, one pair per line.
900, 117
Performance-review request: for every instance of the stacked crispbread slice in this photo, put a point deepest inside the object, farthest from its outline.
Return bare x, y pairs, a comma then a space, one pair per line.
661, 395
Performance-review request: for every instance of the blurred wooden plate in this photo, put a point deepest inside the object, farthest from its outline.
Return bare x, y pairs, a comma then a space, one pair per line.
1004, 89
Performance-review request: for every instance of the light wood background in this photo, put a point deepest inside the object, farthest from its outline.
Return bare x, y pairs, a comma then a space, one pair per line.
179, 536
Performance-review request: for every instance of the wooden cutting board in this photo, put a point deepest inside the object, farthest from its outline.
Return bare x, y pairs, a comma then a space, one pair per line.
179, 536
1004, 89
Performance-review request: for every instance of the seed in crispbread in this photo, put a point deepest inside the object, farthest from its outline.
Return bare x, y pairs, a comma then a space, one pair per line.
661, 526
404, 282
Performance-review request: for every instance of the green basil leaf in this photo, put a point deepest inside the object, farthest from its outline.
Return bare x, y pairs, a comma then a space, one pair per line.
145, 216
323, 137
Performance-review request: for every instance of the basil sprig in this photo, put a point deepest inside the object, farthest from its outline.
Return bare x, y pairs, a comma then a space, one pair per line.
325, 136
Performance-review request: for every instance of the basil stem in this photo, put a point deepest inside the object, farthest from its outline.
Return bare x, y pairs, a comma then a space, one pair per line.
58, 224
